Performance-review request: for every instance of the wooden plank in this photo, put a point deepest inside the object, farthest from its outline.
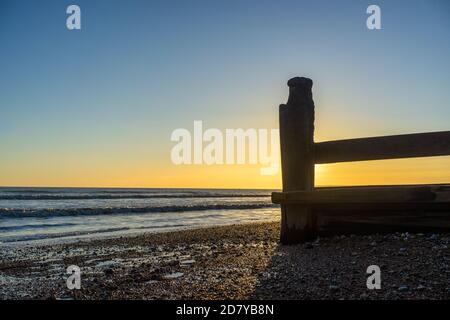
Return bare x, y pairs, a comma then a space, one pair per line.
379, 223
381, 207
297, 159
365, 195
387, 147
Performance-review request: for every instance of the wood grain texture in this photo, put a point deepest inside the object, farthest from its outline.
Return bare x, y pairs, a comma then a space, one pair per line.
426, 194
297, 159
387, 147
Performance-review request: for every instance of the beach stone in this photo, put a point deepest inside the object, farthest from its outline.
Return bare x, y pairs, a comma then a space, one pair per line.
174, 275
187, 262
432, 237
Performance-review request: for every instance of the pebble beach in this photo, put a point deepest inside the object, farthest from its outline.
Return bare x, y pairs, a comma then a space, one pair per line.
244, 261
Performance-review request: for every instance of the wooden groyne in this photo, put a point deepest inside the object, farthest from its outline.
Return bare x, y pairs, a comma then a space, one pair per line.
308, 211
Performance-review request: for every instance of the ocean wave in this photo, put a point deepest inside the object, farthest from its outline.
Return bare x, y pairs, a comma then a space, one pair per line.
50, 212
35, 226
42, 236
123, 196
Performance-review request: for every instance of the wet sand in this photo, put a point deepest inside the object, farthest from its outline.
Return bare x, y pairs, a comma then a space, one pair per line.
231, 262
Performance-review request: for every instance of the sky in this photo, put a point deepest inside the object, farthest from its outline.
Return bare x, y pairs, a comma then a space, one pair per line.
96, 107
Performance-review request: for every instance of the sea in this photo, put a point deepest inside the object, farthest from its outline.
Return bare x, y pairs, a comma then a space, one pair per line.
67, 214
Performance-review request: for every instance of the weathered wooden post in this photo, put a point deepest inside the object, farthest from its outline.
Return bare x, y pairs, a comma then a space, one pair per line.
298, 224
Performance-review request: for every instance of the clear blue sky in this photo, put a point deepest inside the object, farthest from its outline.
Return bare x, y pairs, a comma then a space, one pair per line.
114, 91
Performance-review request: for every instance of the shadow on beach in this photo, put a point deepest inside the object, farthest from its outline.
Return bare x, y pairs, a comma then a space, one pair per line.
413, 265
